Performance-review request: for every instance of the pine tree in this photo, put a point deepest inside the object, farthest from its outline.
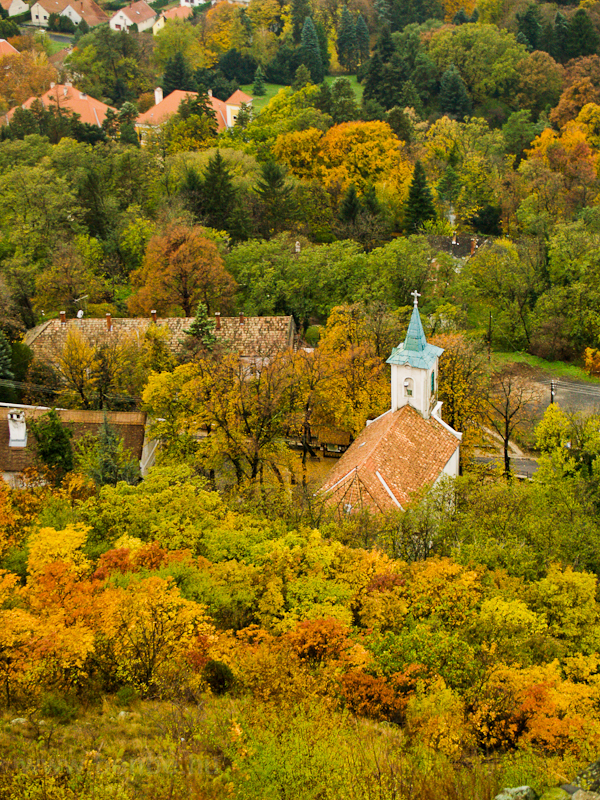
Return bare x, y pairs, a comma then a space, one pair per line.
217, 194
454, 99
362, 39
410, 98
373, 78
201, 333
310, 52
419, 207
385, 44
347, 47
300, 11
582, 39
530, 25
275, 199
259, 82
6, 371
301, 78
177, 75
323, 46
109, 463
561, 37
382, 7
350, 206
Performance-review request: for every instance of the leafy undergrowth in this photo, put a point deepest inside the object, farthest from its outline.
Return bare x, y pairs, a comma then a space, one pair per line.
555, 369
232, 748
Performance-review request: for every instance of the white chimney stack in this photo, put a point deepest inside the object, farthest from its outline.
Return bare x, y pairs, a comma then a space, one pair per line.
17, 428
158, 95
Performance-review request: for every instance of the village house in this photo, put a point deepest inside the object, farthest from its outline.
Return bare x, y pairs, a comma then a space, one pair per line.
166, 107
75, 10
178, 12
252, 337
14, 7
67, 97
17, 444
139, 13
408, 448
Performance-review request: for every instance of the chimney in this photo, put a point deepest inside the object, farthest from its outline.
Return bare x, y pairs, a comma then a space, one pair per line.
241, 317
65, 90
217, 320
153, 315
158, 95
63, 317
108, 321
52, 85
210, 92
17, 429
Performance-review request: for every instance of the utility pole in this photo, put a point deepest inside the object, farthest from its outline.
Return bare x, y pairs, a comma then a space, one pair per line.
551, 391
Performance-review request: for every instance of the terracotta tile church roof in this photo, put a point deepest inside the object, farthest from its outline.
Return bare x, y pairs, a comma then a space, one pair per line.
251, 337
394, 458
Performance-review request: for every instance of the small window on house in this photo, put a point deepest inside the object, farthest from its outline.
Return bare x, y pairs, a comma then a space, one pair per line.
408, 387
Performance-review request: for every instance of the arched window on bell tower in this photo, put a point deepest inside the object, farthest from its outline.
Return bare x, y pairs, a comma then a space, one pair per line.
409, 387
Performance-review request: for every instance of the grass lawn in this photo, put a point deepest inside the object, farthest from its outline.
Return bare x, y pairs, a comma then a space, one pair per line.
258, 103
556, 369
53, 47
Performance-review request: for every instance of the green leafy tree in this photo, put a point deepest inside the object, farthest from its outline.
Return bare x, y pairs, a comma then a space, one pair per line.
454, 99
259, 82
347, 45
302, 78
310, 51
200, 336
53, 444
419, 207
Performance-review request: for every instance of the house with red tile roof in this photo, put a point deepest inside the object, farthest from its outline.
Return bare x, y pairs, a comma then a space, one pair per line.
178, 12
408, 448
67, 97
6, 49
226, 111
139, 13
14, 7
75, 10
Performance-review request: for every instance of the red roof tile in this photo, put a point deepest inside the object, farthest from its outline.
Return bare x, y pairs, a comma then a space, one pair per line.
394, 458
65, 96
6, 49
166, 108
179, 12
237, 98
139, 12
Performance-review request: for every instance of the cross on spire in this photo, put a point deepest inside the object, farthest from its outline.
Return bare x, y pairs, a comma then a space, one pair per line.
416, 295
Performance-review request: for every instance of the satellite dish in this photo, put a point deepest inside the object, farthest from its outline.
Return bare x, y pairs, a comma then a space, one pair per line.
80, 314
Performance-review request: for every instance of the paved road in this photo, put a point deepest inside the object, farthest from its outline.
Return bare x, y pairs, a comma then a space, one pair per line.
520, 466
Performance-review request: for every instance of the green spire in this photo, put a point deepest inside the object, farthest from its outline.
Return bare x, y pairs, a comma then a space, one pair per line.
415, 351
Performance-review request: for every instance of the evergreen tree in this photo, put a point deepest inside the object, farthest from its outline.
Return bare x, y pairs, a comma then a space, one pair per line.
373, 78
311, 52
370, 201
275, 199
454, 99
385, 44
561, 37
177, 75
382, 7
108, 463
53, 444
419, 207
301, 78
460, 18
200, 335
347, 46
300, 11
410, 98
400, 123
350, 206
259, 82
217, 193
7, 393
362, 39
128, 135
582, 39
343, 107
323, 45
530, 26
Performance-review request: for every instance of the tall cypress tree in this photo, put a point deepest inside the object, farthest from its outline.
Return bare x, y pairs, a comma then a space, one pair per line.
310, 52
347, 46
454, 99
561, 37
419, 207
362, 39
259, 82
582, 39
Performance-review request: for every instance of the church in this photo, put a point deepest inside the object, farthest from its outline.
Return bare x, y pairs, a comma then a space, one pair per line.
408, 448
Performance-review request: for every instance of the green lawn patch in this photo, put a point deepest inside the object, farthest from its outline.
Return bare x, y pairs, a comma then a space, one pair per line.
555, 369
258, 103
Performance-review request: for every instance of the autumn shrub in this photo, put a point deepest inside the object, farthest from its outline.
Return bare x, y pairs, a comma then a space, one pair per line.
219, 677
372, 697
58, 707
